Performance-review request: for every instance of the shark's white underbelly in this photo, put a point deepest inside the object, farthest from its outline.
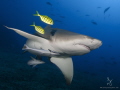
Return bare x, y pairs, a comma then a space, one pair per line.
65, 49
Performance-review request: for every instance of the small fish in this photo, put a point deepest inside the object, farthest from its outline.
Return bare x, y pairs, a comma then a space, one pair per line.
48, 3
98, 7
94, 23
87, 15
38, 28
106, 9
44, 18
35, 62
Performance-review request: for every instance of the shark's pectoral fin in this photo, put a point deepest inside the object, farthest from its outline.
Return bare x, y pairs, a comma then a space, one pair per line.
27, 35
65, 64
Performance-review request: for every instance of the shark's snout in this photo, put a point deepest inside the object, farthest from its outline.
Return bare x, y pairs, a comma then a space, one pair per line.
95, 43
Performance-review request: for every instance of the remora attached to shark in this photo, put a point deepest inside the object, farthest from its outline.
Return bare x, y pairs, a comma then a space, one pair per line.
62, 43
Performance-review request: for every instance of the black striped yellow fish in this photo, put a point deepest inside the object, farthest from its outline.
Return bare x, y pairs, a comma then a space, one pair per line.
38, 28
44, 18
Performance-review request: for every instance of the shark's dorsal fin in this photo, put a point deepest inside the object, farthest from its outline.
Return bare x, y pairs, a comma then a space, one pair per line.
47, 35
65, 64
48, 27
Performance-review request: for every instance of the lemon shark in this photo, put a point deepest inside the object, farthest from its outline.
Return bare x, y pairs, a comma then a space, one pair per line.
60, 45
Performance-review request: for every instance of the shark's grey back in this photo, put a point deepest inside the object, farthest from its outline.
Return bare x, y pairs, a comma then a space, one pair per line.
55, 34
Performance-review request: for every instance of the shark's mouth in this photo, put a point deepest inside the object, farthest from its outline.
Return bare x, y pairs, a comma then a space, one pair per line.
87, 47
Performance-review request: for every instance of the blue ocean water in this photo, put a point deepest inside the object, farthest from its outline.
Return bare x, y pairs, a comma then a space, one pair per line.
94, 71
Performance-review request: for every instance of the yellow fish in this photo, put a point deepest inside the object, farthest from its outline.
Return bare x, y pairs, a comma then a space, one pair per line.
38, 28
44, 18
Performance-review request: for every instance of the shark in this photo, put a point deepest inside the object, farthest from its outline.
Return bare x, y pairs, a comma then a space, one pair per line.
59, 45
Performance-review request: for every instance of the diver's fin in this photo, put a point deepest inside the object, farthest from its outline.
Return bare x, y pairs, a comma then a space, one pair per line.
27, 35
65, 64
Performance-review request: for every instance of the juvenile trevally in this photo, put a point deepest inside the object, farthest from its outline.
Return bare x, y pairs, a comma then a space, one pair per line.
48, 3
35, 62
44, 18
38, 28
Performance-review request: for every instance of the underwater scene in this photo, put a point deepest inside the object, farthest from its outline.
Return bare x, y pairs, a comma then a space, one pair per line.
59, 45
